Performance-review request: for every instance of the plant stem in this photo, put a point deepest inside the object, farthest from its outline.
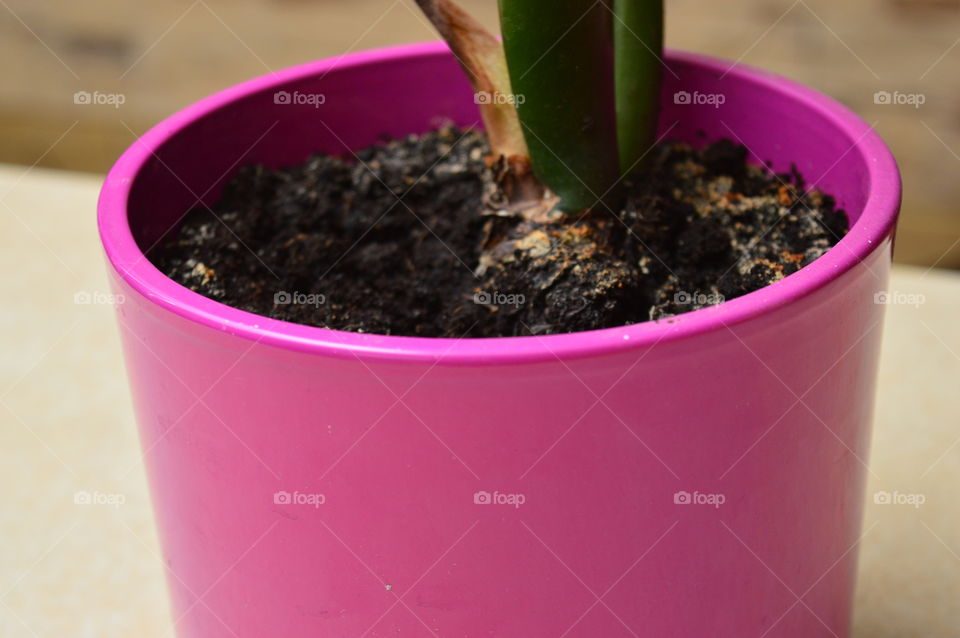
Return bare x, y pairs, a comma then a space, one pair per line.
482, 58
638, 44
561, 62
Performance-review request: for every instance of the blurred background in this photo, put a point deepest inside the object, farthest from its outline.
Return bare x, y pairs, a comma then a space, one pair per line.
160, 55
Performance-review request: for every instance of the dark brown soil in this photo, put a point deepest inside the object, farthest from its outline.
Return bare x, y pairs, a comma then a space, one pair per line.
391, 241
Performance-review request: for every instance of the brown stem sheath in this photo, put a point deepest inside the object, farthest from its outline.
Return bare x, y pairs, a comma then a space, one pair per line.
481, 56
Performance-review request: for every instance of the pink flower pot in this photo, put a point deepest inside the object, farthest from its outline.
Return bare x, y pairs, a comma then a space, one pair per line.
701, 476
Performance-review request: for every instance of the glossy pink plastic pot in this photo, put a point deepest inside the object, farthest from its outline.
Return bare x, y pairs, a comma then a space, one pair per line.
701, 476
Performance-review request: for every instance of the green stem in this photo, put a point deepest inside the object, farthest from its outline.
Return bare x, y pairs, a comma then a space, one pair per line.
561, 62
638, 43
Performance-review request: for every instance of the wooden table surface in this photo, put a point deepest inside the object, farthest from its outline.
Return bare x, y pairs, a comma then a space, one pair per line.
74, 570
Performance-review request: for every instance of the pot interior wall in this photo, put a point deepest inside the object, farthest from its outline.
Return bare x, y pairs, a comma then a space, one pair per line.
282, 123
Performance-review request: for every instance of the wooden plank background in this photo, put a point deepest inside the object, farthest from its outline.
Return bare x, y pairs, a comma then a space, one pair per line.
164, 54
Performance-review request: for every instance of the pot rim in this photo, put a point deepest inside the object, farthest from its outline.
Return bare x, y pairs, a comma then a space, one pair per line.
876, 222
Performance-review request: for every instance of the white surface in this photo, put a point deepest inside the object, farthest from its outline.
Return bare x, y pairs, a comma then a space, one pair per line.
93, 570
